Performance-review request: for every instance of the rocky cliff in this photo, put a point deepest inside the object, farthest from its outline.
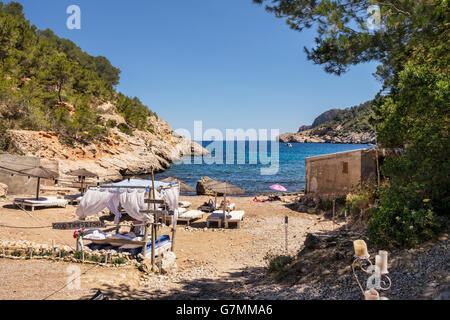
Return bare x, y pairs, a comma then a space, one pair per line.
337, 126
117, 155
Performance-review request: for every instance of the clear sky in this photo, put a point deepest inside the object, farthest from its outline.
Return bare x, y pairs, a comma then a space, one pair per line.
228, 63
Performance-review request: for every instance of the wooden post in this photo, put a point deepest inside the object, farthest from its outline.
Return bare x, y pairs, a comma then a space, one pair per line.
38, 187
286, 222
215, 200
153, 247
225, 210
154, 204
334, 210
155, 216
174, 227
144, 249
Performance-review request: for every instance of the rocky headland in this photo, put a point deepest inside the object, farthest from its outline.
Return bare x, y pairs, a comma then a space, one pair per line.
349, 125
117, 155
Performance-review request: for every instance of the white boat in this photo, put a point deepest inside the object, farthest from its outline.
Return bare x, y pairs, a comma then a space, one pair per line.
289, 145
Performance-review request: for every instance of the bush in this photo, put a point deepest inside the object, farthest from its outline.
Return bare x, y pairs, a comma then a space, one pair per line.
403, 218
125, 129
277, 263
111, 124
119, 261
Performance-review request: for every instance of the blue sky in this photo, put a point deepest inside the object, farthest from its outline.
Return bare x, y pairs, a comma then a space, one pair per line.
228, 63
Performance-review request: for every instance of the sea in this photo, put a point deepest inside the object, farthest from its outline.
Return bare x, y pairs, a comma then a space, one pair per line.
253, 166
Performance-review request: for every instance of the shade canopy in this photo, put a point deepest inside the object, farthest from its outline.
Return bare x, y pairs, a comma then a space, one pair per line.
223, 188
137, 183
40, 172
82, 173
183, 186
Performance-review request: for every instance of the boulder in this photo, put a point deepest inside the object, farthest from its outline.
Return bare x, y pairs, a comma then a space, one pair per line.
201, 187
146, 267
168, 263
3, 190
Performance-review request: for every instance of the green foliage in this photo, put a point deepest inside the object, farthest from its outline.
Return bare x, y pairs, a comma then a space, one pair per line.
412, 110
277, 263
343, 35
125, 129
403, 219
354, 119
111, 123
417, 196
357, 202
119, 261
44, 78
135, 113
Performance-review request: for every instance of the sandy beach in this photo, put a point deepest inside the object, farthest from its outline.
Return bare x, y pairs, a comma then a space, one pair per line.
221, 256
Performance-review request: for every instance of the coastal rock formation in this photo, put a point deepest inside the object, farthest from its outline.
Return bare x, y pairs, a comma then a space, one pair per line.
201, 187
331, 136
3, 190
117, 155
351, 126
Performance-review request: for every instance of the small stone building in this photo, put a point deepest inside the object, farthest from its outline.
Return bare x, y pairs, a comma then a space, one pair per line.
339, 173
19, 184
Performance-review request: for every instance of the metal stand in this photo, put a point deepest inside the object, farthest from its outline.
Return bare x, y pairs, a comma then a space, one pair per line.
365, 261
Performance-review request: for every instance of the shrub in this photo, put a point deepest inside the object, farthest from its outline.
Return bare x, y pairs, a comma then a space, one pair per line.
119, 261
277, 263
125, 129
403, 218
111, 124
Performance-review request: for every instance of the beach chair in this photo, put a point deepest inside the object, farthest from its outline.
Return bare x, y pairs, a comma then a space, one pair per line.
231, 217
190, 216
32, 203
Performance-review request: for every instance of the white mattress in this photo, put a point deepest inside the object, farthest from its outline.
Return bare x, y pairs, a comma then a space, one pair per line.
184, 204
48, 201
233, 215
192, 214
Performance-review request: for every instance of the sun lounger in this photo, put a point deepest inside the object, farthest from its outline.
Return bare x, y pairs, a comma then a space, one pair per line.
231, 217
190, 216
41, 202
73, 198
162, 244
206, 208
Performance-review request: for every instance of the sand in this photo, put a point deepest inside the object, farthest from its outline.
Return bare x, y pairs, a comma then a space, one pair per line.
209, 260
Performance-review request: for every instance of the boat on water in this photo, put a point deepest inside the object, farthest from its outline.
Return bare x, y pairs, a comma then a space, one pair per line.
289, 145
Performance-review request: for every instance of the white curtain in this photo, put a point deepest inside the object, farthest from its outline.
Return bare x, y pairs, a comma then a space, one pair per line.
133, 201
96, 200
172, 196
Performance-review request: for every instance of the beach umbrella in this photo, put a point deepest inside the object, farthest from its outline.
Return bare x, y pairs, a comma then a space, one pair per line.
183, 186
224, 188
40, 173
82, 174
277, 187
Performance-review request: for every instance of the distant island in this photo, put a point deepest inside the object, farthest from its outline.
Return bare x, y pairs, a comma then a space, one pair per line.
349, 125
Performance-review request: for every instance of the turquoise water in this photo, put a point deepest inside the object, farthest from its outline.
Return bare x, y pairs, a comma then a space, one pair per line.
291, 166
